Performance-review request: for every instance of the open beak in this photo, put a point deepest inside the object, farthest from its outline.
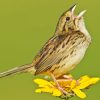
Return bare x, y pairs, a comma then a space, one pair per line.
72, 9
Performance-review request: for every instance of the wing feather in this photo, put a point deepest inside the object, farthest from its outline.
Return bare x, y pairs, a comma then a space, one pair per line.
49, 55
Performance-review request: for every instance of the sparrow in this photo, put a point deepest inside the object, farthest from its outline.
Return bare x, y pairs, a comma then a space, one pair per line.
63, 51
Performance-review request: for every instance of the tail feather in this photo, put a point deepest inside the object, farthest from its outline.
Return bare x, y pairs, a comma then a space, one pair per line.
15, 70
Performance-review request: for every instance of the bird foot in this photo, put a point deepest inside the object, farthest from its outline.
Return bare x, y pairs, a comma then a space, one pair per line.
62, 90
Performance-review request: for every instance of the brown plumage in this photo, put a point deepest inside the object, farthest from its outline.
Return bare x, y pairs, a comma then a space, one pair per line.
57, 50
63, 51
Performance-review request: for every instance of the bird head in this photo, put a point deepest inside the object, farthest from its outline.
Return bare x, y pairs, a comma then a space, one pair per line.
69, 21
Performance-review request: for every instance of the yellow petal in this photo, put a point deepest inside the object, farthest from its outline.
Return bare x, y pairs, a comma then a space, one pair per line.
64, 82
68, 89
79, 93
52, 83
38, 90
84, 85
84, 79
94, 80
56, 92
42, 83
88, 83
46, 89
73, 84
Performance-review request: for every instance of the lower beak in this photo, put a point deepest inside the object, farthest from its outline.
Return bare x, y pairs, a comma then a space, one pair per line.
81, 14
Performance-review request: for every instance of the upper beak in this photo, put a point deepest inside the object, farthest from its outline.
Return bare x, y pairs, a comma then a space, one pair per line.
72, 9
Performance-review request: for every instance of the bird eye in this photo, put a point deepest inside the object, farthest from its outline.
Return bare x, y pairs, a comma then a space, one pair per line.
67, 18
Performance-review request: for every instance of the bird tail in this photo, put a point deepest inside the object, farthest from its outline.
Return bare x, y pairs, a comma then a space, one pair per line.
15, 70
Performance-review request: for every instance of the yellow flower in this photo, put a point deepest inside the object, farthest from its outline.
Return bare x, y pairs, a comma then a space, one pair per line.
84, 82
70, 86
47, 86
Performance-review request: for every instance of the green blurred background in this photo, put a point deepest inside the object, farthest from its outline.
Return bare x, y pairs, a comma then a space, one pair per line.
25, 25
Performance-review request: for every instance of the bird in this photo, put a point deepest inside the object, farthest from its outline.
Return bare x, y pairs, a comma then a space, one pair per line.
63, 51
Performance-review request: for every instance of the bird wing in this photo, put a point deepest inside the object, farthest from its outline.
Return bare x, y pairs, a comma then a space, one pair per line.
49, 56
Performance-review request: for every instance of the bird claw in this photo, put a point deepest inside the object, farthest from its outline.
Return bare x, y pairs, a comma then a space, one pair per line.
63, 91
